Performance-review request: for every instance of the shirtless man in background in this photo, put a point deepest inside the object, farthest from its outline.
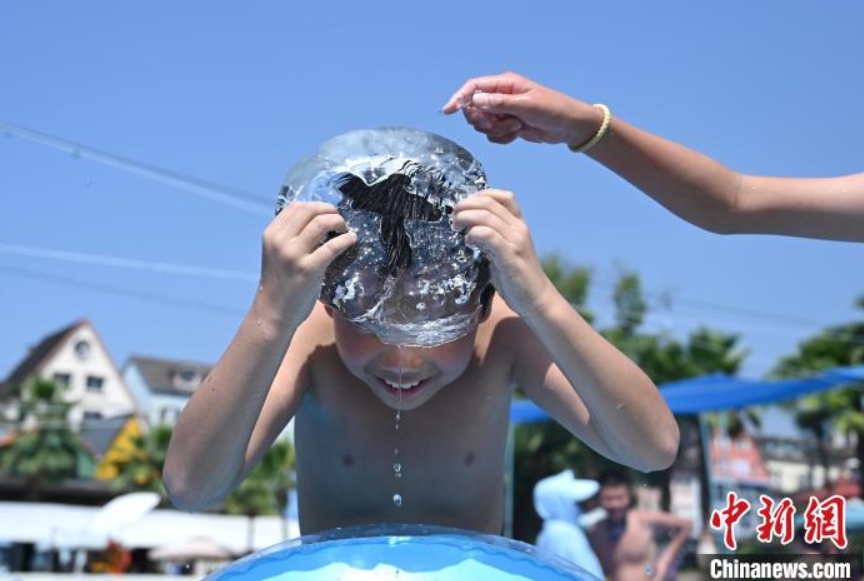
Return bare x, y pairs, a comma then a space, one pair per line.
625, 540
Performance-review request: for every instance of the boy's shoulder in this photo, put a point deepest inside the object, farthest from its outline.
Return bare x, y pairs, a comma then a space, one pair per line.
318, 327
503, 328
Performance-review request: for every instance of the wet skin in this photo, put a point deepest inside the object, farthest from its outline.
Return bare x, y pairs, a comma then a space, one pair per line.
451, 438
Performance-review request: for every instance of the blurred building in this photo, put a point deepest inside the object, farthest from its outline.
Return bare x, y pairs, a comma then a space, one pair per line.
161, 387
76, 359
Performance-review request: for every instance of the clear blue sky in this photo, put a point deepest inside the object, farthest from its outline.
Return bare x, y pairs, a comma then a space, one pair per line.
233, 94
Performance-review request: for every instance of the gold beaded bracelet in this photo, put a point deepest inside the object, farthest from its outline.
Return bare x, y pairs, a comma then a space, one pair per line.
604, 127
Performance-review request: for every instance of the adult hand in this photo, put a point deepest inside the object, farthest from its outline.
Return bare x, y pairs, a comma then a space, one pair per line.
508, 106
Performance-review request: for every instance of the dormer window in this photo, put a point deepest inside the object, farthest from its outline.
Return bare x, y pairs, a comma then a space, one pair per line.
82, 349
187, 379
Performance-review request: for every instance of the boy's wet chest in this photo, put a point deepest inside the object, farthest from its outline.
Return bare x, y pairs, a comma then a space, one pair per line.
444, 457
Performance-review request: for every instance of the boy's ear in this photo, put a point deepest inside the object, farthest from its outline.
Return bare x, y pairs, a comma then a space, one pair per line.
329, 308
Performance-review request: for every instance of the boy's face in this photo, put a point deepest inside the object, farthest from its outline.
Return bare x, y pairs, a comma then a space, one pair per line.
615, 499
403, 378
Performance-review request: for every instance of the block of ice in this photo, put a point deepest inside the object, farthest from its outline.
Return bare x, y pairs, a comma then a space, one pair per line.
410, 279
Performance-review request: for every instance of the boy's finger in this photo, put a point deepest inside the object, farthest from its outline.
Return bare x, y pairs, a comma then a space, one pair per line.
504, 198
467, 219
318, 228
487, 239
297, 215
327, 252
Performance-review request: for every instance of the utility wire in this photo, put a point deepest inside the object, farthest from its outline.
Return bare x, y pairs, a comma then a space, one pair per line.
230, 196
247, 201
129, 263
120, 291
222, 194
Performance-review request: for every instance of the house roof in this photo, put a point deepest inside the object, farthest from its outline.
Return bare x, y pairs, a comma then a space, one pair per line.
164, 375
34, 359
99, 434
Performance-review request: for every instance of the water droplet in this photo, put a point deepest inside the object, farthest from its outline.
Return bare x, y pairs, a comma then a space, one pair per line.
649, 570
397, 467
397, 499
258, 321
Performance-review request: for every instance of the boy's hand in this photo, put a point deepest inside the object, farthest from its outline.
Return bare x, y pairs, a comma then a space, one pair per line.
508, 106
296, 252
493, 222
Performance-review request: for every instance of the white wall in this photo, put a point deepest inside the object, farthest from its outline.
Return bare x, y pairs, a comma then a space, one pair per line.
112, 400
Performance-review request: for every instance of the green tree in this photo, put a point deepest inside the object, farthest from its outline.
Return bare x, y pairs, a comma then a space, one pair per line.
44, 449
839, 409
665, 359
545, 448
265, 490
142, 469
572, 282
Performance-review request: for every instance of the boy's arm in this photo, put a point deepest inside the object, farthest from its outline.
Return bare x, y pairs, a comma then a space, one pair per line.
689, 184
563, 364
256, 386
665, 522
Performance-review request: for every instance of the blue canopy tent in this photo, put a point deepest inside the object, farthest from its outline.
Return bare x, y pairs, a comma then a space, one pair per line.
719, 392
702, 394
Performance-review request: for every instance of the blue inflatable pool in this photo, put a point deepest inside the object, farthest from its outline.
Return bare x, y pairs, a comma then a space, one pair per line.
403, 553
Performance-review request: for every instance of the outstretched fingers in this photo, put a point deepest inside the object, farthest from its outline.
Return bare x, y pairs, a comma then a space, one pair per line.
508, 83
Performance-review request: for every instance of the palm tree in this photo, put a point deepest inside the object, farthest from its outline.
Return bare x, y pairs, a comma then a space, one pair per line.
840, 409
265, 490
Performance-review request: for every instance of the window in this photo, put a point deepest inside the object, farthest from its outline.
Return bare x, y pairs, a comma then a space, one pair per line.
94, 383
82, 349
63, 379
167, 415
92, 415
186, 379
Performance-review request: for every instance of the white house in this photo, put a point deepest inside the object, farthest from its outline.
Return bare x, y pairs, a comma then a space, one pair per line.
76, 358
161, 387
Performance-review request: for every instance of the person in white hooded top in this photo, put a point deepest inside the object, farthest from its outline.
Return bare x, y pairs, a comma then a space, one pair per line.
556, 500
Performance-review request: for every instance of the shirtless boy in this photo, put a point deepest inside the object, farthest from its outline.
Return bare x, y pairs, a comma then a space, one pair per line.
294, 356
625, 541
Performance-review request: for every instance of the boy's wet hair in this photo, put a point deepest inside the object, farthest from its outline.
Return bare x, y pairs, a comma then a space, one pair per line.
395, 201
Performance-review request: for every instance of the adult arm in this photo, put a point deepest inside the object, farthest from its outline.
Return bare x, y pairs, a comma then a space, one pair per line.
679, 528
693, 186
